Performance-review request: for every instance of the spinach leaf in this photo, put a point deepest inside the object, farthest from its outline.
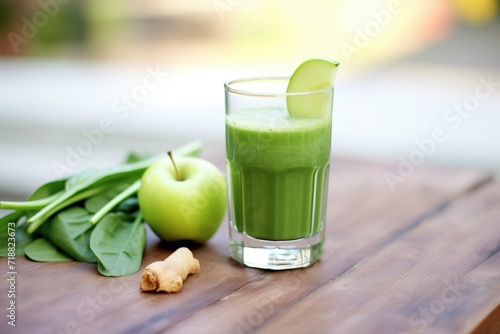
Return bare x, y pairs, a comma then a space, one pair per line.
126, 193
70, 230
12, 217
94, 203
94, 177
102, 177
41, 197
129, 205
38, 218
42, 250
48, 189
135, 157
31, 204
23, 238
119, 244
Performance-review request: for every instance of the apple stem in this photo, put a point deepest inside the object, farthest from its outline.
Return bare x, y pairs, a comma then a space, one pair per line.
179, 178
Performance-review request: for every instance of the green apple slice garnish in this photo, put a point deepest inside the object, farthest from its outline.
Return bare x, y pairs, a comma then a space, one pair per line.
316, 74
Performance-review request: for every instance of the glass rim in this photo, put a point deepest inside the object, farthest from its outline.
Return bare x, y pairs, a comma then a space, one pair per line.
228, 87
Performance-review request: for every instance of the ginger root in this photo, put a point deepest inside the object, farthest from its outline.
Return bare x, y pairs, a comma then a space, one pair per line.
169, 275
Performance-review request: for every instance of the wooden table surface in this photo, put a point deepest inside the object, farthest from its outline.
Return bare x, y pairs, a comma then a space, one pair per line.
424, 258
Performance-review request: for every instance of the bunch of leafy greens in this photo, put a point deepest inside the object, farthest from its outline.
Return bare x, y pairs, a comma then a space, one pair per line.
93, 216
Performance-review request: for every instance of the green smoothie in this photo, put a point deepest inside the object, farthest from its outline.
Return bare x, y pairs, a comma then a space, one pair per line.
278, 169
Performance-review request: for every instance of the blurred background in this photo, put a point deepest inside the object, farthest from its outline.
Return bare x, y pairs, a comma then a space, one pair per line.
84, 82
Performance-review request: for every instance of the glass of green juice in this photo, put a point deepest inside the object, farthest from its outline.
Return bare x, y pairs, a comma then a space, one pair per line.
277, 171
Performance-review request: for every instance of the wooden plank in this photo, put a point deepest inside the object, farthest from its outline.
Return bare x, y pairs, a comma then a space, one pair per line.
490, 324
85, 301
441, 277
364, 215
353, 233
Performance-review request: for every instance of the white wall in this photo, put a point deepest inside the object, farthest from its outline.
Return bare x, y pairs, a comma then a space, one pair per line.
45, 106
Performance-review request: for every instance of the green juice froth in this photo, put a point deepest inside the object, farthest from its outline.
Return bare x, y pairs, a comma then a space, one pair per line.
278, 168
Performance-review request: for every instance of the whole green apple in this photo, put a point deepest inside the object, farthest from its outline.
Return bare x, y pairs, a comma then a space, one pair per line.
183, 199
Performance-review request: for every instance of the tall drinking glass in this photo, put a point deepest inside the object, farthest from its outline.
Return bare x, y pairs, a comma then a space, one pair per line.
277, 168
